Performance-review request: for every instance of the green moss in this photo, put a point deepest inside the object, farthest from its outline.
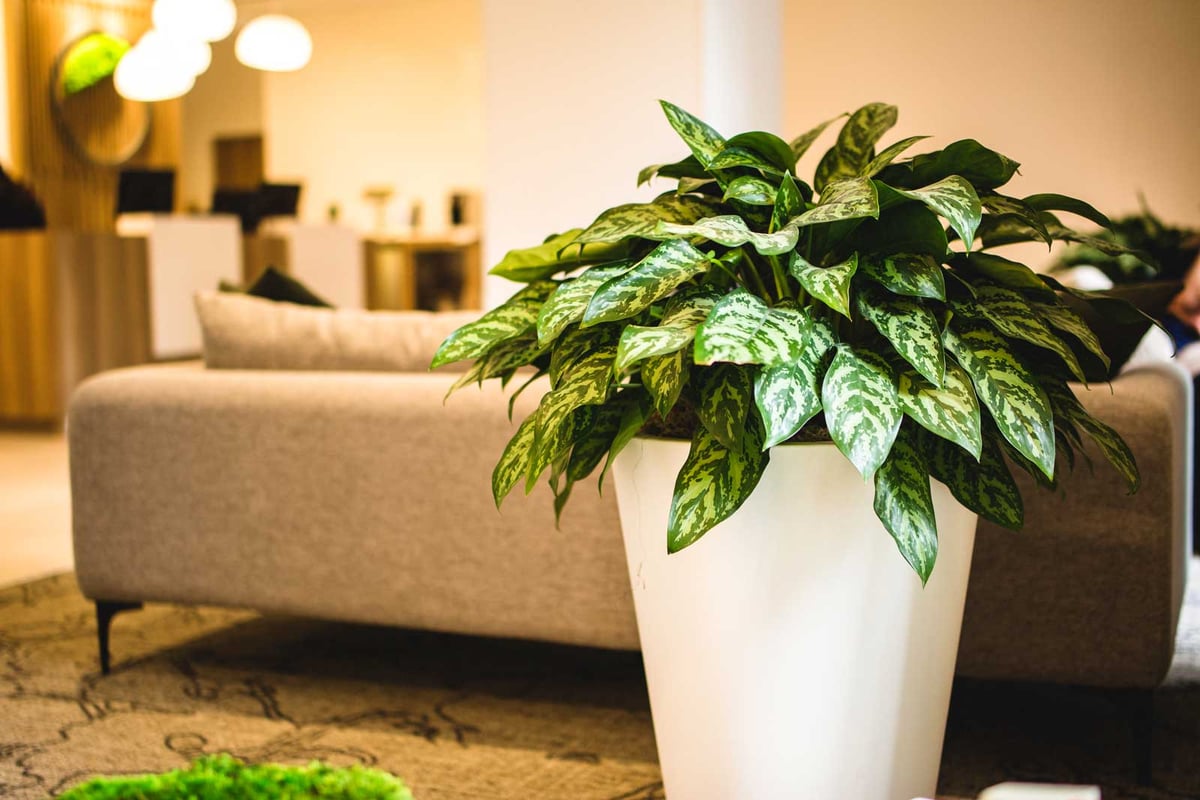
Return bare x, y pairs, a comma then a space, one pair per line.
90, 60
223, 777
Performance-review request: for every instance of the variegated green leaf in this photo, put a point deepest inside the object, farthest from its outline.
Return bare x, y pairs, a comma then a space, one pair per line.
557, 254
518, 315
725, 401
951, 411
788, 203
804, 141
904, 505
571, 299
664, 377
852, 198
505, 358
577, 345
742, 329
751, 190
687, 185
984, 486
909, 325
594, 444
907, 274
788, 394
668, 266
1068, 321
641, 219
684, 168
861, 407
732, 157
1013, 316
830, 285
561, 421
888, 155
1009, 209
514, 461
704, 142
855, 144
713, 484
1108, 440
984, 168
775, 150
1018, 404
634, 413
955, 199
732, 231
639, 343
1008, 273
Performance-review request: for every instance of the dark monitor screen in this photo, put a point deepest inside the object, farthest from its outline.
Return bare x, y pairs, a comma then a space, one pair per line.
279, 199
142, 190
242, 204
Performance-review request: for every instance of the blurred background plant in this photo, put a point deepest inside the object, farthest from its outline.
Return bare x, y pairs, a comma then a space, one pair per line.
1165, 252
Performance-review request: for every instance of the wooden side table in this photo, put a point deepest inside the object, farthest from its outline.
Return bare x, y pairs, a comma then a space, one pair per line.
430, 272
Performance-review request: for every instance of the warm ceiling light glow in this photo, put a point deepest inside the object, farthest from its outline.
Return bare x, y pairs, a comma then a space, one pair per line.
210, 20
195, 53
153, 70
274, 43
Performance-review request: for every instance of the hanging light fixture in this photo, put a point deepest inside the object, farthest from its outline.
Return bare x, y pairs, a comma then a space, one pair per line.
275, 43
195, 53
153, 70
209, 20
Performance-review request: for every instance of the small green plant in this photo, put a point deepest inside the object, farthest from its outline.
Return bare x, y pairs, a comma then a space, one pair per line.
223, 777
745, 307
90, 60
1140, 247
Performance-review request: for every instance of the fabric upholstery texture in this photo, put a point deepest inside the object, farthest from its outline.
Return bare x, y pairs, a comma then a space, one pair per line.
362, 497
243, 332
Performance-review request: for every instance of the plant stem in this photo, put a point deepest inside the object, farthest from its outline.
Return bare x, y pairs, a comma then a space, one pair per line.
780, 278
752, 268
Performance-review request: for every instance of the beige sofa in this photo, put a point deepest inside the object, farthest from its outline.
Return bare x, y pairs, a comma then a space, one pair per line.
361, 497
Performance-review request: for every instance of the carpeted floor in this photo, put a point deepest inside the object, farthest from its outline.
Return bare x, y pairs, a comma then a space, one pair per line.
462, 718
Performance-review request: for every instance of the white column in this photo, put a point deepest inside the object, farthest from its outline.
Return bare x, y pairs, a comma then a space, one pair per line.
571, 102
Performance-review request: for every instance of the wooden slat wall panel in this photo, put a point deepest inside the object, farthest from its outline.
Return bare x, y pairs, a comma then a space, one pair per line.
29, 385
77, 195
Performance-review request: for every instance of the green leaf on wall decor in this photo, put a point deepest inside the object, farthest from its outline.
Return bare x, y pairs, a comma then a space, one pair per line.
514, 461
685, 168
667, 267
664, 377
732, 231
1014, 316
1108, 440
742, 329
985, 486
907, 274
732, 157
909, 325
751, 190
1066, 320
1060, 202
909, 228
955, 199
788, 394
1018, 404
862, 409
641, 219
801, 144
853, 198
904, 504
776, 151
518, 315
570, 300
888, 155
950, 411
704, 142
855, 144
714, 482
726, 397
830, 285
788, 203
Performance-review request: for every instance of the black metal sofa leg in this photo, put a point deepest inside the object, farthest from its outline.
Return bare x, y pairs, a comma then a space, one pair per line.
105, 611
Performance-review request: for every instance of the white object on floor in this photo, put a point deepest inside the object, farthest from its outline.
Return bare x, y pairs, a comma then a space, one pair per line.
1040, 791
1085, 277
1155, 346
792, 653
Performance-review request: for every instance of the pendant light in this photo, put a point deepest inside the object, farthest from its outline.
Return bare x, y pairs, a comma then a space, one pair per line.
274, 43
209, 20
195, 53
153, 70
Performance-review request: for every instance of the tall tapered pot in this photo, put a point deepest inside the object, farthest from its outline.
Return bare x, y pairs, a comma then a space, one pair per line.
791, 654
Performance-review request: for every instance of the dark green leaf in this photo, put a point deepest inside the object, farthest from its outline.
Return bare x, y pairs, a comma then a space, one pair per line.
732, 157
852, 198
725, 401
1108, 440
1068, 321
889, 155
775, 150
654, 277
984, 168
594, 444
634, 414
1059, 202
908, 274
904, 505
1016, 318
685, 168
861, 407
751, 190
1007, 273
986, 487
909, 228
788, 203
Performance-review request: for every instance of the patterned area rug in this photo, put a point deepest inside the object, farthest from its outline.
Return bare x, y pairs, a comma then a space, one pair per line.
461, 718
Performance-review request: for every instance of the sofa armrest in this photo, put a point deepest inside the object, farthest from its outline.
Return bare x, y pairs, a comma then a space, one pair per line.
351, 496
1090, 591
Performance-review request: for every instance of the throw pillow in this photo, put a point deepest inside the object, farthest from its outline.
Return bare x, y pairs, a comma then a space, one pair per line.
243, 332
275, 285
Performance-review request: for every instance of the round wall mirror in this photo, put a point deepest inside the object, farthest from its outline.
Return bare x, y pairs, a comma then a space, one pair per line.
101, 126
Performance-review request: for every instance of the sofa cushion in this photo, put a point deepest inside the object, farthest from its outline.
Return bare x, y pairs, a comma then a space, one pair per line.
272, 284
242, 332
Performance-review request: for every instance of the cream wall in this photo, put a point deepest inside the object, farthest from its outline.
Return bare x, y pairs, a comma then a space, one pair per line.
1096, 98
226, 101
393, 95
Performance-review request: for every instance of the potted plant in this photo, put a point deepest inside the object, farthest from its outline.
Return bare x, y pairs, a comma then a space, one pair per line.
807, 356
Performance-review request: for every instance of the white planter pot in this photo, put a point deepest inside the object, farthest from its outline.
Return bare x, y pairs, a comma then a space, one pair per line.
791, 653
